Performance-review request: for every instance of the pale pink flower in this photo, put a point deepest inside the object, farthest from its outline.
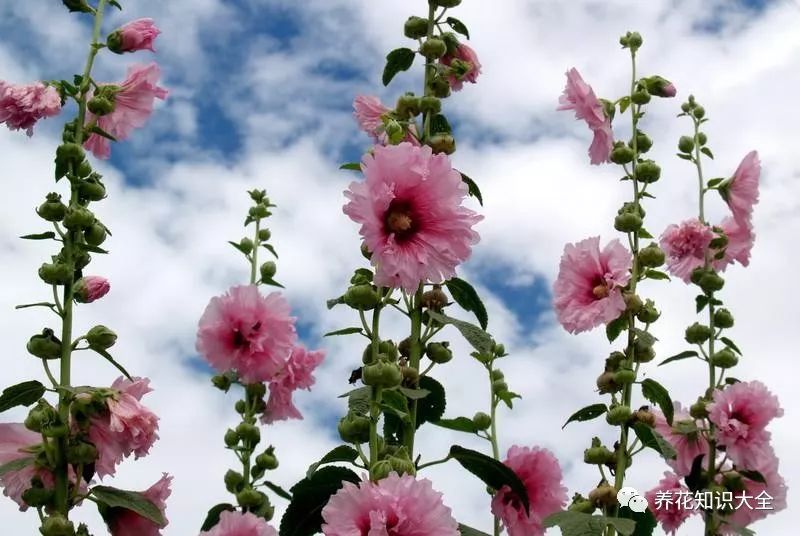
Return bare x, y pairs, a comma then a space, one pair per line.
396, 506
579, 97
248, 333
740, 242
240, 524
133, 105
666, 503
14, 440
297, 374
685, 246
669, 90
741, 190
90, 288
688, 446
21, 106
741, 413
466, 54
124, 522
588, 289
540, 472
411, 215
136, 35
368, 111
126, 428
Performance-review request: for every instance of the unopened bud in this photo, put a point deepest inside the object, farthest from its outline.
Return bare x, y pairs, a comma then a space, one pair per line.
603, 495
407, 106
621, 154
380, 470
624, 376
95, 235
640, 96
416, 28
231, 438
711, 282
442, 143
101, 337
363, 297
52, 209
57, 525
78, 218
268, 270
434, 299
652, 256
221, 382
267, 461
249, 433
607, 383
643, 142
698, 410
686, 144
648, 171
430, 105
618, 414
723, 319
100, 106
627, 222
697, 333
250, 498
439, 352
380, 374
725, 358
354, 428
45, 345
233, 481
482, 421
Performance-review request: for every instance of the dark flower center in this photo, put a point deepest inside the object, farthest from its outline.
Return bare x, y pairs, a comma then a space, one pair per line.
399, 220
240, 340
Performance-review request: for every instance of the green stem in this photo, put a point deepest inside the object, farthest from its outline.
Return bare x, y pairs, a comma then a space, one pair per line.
247, 457
430, 70
493, 437
375, 394
415, 355
254, 256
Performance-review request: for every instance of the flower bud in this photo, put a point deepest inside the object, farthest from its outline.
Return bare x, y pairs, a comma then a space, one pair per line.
686, 144
81, 259
57, 525
380, 470
407, 106
405, 347
614, 360
633, 303
45, 346
618, 414
380, 374
55, 274
643, 142
723, 319
597, 454
447, 3
581, 505
416, 28
439, 352
81, 453
725, 358
256, 390
95, 235
246, 245
651, 256
410, 376
434, 299
497, 375
698, 410
697, 333
233, 481
240, 407
482, 421
627, 222
231, 438
643, 353
267, 460
603, 495
388, 351
649, 313
52, 209
499, 387
37, 496
640, 96
624, 376
90, 288
645, 416
442, 143
702, 138
699, 112
354, 428
363, 297
92, 188
70, 153
268, 270
250, 498
621, 154
607, 383
660, 87
249, 433
55, 430
440, 87
101, 337
711, 282
100, 105
222, 382
258, 212
264, 235
648, 171
430, 105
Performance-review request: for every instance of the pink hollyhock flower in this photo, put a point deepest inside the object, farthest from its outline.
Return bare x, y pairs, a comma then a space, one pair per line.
240, 524
368, 111
136, 35
540, 472
685, 245
124, 522
466, 56
15, 439
666, 503
411, 215
579, 96
740, 242
248, 333
127, 428
741, 190
588, 289
21, 106
297, 374
133, 105
669, 90
90, 288
687, 444
396, 505
741, 413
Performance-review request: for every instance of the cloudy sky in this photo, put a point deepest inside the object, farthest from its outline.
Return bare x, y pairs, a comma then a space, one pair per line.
261, 94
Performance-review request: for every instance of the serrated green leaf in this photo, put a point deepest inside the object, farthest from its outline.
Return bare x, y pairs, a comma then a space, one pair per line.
431, 408
586, 414
652, 439
128, 500
345, 331
358, 400
579, 524
458, 26
507, 397
212, 518
658, 394
492, 472
616, 327
394, 403
21, 394
399, 59
677, 357
459, 424
303, 516
342, 453
467, 297
414, 394
478, 338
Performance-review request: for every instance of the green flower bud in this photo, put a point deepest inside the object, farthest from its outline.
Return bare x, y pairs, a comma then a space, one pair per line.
640, 96
725, 358
267, 461
100, 105
92, 188
405, 347
652, 256
37, 496
354, 428
55, 430
442, 143
256, 390
249, 433
643, 142
583, 506
603, 495
633, 303
723, 319
363, 297
250, 498
686, 107
259, 196
440, 87
598, 455
686, 144
430, 105
439, 352
416, 28
81, 260
624, 376
499, 387
711, 282
95, 235
607, 383
240, 407
45, 346
81, 453
70, 153
497, 375
77, 6
233, 481
231, 438
258, 212
246, 245
618, 414
643, 353
408, 105
697, 274
268, 270
697, 333
499, 349
101, 337
648, 313
52, 209
699, 409
264, 235
78, 218
699, 112
222, 382
634, 40
55, 274
627, 222
648, 171
621, 154
702, 138
380, 470
482, 421
614, 360
380, 374
57, 525
660, 87
394, 130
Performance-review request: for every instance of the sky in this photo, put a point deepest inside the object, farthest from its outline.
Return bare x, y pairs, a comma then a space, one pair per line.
260, 97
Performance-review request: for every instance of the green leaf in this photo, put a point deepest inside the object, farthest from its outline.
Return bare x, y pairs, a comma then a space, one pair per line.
616, 327
706, 151
342, 453
116, 4
112, 361
271, 249
507, 397
394, 403
700, 302
129, 500
644, 233
94, 249
478, 338
645, 521
652, 439
472, 187
414, 394
684, 156
458, 26
677, 357
240, 248
100, 132
279, 491
658, 394
469, 531
459, 424
272, 283
579, 524
15, 465
731, 344
334, 302
213, 516
49, 235
303, 516
358, 400
467, 297
21, 394
696, 480
492, 472
431, 408
655, 274
714, 182
352, 166
624, 102
345, 331
587, 414
399, 59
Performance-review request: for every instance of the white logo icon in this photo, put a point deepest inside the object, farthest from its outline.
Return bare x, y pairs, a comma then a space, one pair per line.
630, 497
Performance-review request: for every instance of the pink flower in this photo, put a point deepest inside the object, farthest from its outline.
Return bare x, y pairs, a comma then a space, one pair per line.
588, 289
666, 503
464, 57
127, 428
124, 522
139, 34
240, 524
668, 90
133, 105
14, 440
687, 444
740, 242
90, 288
540, 472
297, 374
685, 246
396, 506
579, 96
741, 413
741, 190
368, 111
248, 333
411, 215
21, 106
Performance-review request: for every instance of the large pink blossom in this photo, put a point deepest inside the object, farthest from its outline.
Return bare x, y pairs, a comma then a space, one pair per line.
248, 333
240, 524
297, 374
685, 245
588, 289
14, 440
411, 215
127, 427
579, 97
741, 413
666, 503
687, 445
136, 35
396, 506
133, 105
466, 54
540, 472
741, 190
21, 106
740, 242
124, 522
